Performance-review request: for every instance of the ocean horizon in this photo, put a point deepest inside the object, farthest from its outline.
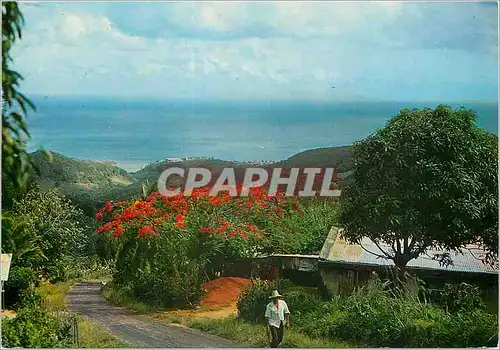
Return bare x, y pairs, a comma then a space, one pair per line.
134, 133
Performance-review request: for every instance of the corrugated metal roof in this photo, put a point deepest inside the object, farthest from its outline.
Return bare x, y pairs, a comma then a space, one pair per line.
336, 249
305, 256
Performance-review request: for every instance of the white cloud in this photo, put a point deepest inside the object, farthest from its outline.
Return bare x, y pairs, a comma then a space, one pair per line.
287, 49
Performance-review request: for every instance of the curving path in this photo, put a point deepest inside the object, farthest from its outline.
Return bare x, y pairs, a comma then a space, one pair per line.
139, 330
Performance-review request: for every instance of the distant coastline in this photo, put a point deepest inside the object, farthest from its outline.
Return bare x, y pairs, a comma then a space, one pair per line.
134, 133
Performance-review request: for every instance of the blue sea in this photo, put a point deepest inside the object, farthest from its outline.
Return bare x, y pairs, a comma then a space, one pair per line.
135, 133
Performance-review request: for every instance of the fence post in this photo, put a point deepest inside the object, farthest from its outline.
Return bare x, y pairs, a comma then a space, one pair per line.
75, 331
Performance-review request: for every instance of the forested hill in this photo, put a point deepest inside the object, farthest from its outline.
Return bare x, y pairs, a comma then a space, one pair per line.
90, 183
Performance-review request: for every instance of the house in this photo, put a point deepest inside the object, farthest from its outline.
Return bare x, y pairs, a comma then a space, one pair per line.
344, 266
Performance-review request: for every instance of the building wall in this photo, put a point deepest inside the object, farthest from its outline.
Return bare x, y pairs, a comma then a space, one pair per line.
340, 280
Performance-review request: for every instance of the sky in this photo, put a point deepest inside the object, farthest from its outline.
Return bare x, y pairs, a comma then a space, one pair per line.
327, 51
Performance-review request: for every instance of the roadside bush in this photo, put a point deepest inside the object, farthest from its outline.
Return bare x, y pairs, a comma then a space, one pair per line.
253, 300
300, 302
164, 244
304, 231
20, 279
373, 317
461, 297
34, 328
89, 267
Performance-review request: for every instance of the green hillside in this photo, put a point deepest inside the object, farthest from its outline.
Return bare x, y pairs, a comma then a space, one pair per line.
82, 181
88, 184
88, 174
321, 157
153, 170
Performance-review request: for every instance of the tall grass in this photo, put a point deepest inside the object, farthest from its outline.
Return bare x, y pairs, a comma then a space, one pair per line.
255, 335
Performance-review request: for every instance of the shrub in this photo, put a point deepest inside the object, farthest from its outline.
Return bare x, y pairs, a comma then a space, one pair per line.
302, 303
253, 300
461, 297
164, 244
34, 328
20, 279
305, 231
29, 298
374, 317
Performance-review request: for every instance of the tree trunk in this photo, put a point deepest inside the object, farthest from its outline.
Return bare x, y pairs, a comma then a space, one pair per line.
405, 282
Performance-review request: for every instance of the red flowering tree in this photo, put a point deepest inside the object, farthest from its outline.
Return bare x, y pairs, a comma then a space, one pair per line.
165, 243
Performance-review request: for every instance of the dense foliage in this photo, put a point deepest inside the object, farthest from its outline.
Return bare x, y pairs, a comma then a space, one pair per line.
461, 297
253, 300
375, 317
44, 234
164, 245
426, 180
33, 327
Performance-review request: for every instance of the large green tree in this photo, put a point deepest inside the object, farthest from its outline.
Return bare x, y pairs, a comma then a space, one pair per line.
428, 179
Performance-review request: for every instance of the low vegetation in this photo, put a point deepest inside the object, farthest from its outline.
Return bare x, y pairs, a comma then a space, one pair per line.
255, 335
377, 316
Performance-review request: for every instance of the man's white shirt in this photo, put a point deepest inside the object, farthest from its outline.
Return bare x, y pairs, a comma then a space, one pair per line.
276, 314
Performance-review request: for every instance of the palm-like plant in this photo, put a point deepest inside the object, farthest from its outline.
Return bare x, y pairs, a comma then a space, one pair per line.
25, 246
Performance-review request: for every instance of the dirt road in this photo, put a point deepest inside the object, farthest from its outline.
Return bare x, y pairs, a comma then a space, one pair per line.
139, 330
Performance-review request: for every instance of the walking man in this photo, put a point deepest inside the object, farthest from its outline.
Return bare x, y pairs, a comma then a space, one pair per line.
278, 317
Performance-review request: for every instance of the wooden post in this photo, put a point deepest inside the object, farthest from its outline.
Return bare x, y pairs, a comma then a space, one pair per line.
3, 298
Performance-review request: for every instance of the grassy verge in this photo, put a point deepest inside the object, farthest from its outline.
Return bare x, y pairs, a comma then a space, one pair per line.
91, 334
94, 336
255, 336
116, 297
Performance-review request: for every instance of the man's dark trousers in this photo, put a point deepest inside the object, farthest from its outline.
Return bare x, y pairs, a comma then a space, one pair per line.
276, 335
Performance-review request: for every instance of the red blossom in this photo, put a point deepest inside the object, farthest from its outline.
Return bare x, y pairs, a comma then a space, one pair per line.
150, 212
108, 206
145, 231
118, 231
